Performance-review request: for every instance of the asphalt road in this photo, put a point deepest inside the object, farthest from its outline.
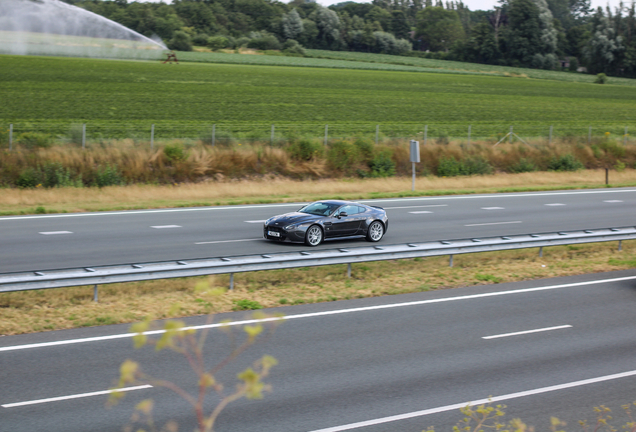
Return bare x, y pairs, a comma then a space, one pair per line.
400, 363
43, 242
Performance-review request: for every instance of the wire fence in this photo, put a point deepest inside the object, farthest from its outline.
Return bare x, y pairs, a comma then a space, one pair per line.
31, 134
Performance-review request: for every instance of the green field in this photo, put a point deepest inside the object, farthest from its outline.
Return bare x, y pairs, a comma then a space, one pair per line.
117, 98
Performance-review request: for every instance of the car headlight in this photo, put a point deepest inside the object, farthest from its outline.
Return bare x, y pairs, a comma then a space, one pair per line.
288, 227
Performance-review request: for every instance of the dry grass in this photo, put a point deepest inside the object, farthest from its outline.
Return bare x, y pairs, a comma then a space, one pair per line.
24, 312
58, 200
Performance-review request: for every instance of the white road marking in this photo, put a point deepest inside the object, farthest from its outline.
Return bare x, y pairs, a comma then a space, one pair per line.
493, 399
253, 206
408, 207
166, 226
76, 396
324, 313
228, 241
256, 221
526, 332
421, 212
613, 201
492, 208
555, 204
55, 232
494, 223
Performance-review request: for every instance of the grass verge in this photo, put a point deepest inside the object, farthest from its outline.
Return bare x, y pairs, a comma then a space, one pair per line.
271, 189
33, 311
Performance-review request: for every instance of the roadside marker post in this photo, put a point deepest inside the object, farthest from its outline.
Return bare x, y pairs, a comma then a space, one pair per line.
415, 158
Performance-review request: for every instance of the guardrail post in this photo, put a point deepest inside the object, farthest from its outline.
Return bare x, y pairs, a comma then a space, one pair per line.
620, 245
95, 293
349, 270
541, 252
231, 281
450, 260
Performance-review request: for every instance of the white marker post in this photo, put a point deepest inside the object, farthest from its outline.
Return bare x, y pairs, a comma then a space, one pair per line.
415, 158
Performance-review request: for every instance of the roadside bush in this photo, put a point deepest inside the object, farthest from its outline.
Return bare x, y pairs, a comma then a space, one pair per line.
174, 152
382, 164
304, 150
28, 178
55, 175
448, 167
247, 305
523, 165
565, 163
344, 157
108, 176
31, 140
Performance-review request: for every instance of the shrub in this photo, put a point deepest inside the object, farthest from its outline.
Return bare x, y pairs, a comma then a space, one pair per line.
365, 149
448, 167
32, 140
55, 175
523, 165
28, 178
600, 78
217, 42
476, 165
382, 165
174, 152
201, 39
565, 163
304, 150
180, 42
246, 305
268, 42
343, 157
108, 176
293, 47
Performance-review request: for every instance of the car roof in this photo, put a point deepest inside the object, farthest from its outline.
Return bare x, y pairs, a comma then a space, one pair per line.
339, 202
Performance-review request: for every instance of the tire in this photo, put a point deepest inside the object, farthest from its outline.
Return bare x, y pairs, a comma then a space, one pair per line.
375, 231
314, 236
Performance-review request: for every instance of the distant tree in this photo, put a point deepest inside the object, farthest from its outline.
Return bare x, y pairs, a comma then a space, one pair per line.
604, 47
399, 25
438, 28
523, 34
383, 16
328, 25
292, 25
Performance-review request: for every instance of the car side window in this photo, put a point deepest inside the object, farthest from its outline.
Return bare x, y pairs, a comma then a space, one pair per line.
349, 209
361, 209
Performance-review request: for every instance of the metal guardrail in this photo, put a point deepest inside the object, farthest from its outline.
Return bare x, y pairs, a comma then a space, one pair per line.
99, 275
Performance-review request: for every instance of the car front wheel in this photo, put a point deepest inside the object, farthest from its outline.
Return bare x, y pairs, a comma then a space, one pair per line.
313, 237
375, 232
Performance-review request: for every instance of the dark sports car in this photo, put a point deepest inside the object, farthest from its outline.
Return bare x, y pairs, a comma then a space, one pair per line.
322, 220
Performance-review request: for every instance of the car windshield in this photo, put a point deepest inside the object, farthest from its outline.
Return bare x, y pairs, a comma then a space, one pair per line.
319, 208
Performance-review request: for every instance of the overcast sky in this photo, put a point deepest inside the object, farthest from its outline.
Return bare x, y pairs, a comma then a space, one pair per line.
472, 4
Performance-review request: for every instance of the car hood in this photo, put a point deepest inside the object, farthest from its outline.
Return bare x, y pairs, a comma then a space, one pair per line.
293, 218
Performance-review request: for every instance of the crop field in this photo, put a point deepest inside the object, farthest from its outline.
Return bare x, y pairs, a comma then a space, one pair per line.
123, 98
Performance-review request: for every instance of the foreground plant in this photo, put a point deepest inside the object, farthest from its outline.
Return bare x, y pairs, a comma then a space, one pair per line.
186, 341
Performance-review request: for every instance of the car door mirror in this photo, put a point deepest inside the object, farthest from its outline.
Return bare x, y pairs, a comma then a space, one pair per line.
342, 214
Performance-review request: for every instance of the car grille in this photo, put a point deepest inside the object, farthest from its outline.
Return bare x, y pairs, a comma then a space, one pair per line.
275, 229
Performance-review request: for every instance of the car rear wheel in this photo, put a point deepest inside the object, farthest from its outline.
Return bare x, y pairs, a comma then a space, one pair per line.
375, 232
314, 236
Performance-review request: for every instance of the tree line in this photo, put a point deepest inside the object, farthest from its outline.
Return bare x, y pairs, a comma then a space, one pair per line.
543, 34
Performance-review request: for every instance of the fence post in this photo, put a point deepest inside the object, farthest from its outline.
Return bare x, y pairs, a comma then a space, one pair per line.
95, 293
510, 134
326, 133
11, 137
213, 134
377, 133
625, 137
152, 137
84, 135
469, 135
425, 133
550, 139
271, 140
589, 135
